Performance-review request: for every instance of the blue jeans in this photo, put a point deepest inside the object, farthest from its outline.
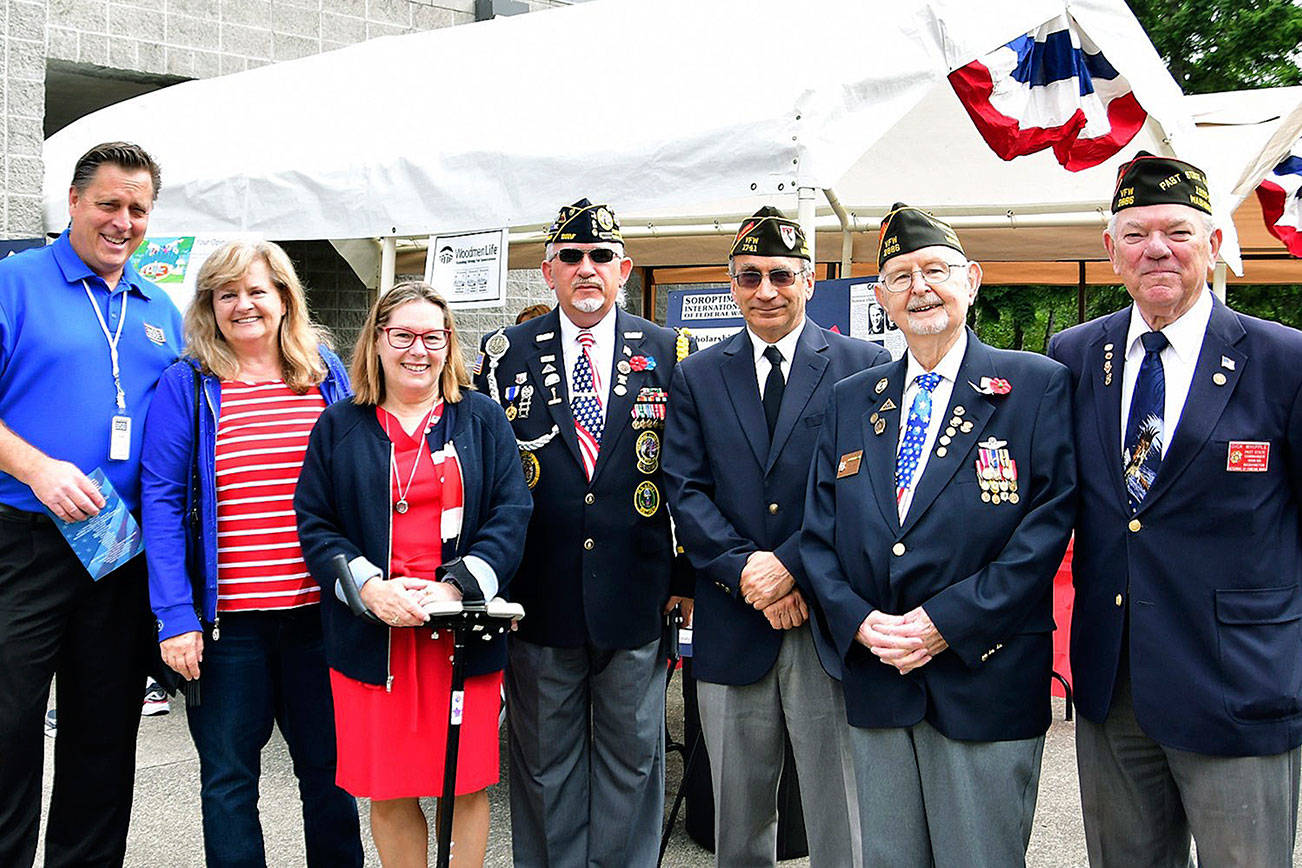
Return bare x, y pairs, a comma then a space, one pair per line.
265, 667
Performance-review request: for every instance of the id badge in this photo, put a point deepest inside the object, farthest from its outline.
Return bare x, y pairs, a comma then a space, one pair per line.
120, 439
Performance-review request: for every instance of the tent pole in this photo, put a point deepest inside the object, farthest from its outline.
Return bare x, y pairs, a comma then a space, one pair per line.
847, 240
1218, 279
807, 220
1080, 291
388, 262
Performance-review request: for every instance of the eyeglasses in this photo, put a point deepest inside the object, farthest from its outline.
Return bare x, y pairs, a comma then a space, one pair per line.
573, 256
780, 278
401, 339
933, 274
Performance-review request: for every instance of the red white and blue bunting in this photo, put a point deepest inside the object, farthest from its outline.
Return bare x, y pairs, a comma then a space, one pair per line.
1050, 88
1280, 194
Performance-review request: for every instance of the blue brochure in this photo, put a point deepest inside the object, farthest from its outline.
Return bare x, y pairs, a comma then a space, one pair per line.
107, 540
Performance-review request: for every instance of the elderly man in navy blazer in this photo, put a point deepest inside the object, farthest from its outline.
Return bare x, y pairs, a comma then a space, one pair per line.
939, 506
738, 442
585, 388
1187, 628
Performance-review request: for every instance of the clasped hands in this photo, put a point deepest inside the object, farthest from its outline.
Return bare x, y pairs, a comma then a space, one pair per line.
907, 641
769, 587
400, 601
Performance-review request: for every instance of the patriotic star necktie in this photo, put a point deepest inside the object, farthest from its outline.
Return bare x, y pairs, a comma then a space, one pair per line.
585, 405
915, 432
1143, 447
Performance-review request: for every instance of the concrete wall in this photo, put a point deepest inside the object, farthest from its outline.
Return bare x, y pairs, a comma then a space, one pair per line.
22, 108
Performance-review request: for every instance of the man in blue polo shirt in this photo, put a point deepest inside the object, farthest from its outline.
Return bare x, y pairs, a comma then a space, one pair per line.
83, 339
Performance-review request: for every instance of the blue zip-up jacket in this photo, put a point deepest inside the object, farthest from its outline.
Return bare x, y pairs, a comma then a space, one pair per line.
165, 488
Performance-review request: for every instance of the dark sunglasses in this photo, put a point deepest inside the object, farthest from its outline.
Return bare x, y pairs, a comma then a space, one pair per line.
778, 277
599, 255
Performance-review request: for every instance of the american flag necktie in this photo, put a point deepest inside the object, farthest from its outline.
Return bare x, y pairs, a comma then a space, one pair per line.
915, 433
585, 405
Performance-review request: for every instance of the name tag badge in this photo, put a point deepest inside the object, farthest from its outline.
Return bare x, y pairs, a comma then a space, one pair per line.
120, 439
849, 464
1250, 456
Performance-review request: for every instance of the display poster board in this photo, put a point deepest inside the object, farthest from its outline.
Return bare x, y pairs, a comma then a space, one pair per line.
16, 245
468, 269
173, 262
847, 306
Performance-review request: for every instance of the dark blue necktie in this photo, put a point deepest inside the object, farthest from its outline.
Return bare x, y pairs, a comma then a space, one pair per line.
1143, 447
774, 386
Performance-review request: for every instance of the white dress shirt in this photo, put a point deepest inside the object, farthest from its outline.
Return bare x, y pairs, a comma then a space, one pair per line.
1179, 358
786, 345
948, 370
602, 354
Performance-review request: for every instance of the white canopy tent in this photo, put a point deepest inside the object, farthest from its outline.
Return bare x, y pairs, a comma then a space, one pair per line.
684, 114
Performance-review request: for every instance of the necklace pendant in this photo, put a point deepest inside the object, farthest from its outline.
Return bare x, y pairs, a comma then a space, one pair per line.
401, 506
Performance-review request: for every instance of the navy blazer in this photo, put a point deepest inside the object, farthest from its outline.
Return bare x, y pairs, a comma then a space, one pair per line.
344, 506
595, 570
1209, 569
734, 492
983, 571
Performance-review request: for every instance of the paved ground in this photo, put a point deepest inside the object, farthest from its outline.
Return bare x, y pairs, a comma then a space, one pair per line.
165, 829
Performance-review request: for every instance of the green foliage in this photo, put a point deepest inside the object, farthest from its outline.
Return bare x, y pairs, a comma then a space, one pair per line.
1215, 45
1025, 317
1279, 303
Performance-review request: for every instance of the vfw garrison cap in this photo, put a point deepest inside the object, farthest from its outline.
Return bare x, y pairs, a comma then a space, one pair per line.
768, 232
585, 223
906, 229
1152, 180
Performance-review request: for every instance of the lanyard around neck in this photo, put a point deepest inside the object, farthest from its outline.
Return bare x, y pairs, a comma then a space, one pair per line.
112, 340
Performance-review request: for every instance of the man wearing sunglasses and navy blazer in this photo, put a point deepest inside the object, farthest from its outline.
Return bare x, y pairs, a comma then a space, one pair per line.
585, 388
939, 506
742, 423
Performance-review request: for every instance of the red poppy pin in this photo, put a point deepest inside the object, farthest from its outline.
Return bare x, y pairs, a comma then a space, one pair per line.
992, 386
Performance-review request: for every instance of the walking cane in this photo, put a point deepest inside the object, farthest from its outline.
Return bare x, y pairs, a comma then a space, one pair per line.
465, 619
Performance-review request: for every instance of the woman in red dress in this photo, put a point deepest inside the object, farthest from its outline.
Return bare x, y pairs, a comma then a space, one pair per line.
417, 473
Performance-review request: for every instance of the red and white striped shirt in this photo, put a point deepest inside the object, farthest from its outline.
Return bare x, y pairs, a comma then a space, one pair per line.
261, 439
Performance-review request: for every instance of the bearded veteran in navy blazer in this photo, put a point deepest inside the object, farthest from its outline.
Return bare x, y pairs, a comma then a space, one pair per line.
586, 389
737, 461
939, 506
1187, 627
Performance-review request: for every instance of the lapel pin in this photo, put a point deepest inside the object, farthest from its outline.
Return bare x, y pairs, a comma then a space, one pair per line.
959, 411
621, 389
989, 386
555, 398
879, 426
632, 336
1107, 348
550, 357
889, 405
881, 386
622, 366
874, 417
543, 336
1218, 378
521, 378
1227, 363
